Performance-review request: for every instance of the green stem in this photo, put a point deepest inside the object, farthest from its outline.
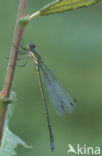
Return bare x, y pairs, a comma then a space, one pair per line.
25, 20
34, 15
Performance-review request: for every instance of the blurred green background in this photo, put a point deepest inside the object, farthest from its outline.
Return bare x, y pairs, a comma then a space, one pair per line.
71, 46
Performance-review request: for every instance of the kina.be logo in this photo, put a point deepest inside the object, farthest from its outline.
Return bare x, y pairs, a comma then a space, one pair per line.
84, 150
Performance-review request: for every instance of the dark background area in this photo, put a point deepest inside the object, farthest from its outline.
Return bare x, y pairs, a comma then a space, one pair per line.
71, 46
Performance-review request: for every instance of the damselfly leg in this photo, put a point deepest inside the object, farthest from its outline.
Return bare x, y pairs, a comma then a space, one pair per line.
22, 53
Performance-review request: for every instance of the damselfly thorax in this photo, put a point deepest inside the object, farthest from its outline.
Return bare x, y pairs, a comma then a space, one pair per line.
32, 53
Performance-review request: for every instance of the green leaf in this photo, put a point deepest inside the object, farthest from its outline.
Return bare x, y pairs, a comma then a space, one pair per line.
10, 140
9, 143
63, 5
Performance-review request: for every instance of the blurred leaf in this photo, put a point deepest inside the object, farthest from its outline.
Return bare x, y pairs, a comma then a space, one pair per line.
10, 140
63, 5
9, 143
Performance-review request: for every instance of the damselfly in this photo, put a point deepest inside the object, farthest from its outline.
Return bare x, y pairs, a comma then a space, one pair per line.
59, 96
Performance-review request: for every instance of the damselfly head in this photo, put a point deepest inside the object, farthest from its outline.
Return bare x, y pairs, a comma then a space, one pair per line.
31, 47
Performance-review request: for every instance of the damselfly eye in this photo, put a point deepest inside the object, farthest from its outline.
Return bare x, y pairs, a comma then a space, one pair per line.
32, 45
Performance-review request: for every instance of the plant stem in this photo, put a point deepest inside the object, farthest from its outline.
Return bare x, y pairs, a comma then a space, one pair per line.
12, 61
34, 15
